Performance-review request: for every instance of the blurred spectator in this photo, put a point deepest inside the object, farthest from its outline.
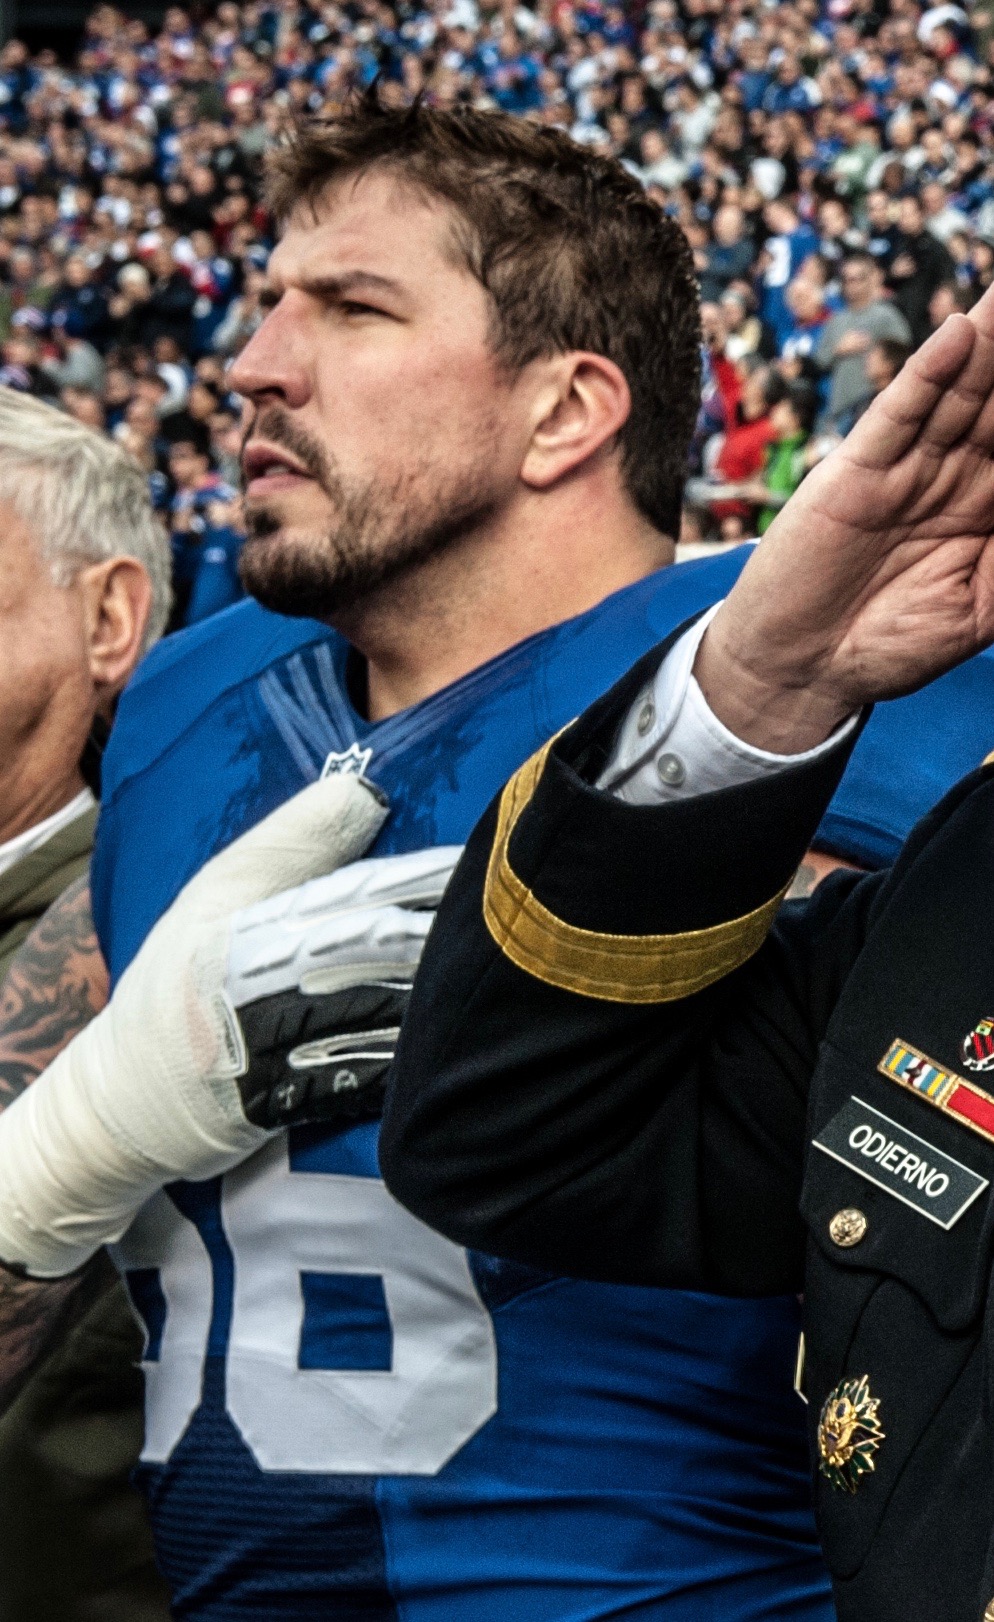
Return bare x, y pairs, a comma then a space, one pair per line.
848, 334
791, 242
882, 232
731, 253
920, 265
808, 309
749, 390
838, 234
942, 218
204, 534
792, 418
884, 360
948, 299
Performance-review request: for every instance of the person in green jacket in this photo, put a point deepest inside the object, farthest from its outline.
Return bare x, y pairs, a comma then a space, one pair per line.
84, 590
792, 419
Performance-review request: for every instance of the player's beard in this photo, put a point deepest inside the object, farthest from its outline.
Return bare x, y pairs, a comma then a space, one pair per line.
376, 533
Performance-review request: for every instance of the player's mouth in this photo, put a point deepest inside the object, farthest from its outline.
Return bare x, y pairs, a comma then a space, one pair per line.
266, 470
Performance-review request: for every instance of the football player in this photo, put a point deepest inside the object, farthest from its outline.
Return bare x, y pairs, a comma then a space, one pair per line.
464, 457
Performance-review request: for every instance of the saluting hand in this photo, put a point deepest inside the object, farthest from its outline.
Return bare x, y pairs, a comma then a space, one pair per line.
879, 572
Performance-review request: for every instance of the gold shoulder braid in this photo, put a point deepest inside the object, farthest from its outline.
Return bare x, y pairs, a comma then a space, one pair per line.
613, 968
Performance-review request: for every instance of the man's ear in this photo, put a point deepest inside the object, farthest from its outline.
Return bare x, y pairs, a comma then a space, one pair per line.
584, 404
117, 601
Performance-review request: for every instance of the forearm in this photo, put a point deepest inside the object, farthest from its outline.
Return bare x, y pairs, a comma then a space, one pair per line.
768, 695
55, 985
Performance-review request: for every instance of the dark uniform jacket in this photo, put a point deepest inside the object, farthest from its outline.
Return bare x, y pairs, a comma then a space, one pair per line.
75, 1544
623, 1061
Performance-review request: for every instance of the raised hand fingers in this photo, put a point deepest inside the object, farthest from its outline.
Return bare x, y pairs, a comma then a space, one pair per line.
905, 409
982, 314
962, 406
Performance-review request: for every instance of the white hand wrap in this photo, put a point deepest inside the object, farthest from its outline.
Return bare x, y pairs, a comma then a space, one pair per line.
147, 1092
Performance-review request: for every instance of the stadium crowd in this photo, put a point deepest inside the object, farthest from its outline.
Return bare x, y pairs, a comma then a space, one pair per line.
829, 162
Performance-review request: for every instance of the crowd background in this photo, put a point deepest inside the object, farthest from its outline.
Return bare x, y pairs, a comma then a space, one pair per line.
830, 161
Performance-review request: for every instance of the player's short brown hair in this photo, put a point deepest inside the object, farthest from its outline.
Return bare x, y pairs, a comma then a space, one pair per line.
571, 251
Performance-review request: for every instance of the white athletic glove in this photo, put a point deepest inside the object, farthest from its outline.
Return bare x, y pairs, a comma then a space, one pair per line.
320, 977
165, 1082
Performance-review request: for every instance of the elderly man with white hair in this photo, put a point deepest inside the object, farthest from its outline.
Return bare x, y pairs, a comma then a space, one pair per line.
84, 591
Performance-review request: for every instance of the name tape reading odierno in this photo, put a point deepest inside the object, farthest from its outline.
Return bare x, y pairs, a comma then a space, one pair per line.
900, 1162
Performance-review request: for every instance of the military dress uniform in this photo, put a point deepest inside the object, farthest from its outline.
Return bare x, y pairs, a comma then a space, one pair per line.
627, 1061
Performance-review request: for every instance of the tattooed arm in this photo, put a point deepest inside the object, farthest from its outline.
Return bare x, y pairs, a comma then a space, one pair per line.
816, 866
55, 985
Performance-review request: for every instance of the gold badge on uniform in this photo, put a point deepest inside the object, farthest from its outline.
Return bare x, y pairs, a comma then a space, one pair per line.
849, 1433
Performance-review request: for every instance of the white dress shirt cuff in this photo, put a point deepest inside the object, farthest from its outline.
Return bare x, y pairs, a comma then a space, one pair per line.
672, 745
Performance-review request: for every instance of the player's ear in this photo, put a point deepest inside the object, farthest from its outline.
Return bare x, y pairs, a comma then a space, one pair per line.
582, 404
117, 601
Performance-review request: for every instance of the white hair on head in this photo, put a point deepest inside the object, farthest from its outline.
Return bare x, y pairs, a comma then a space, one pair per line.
82, 496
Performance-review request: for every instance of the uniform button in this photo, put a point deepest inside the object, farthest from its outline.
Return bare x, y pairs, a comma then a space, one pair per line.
846, 1228
671, 770
646, 716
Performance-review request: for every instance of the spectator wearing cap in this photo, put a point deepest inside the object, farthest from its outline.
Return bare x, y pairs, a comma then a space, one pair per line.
920, 265
848, 334
204, 532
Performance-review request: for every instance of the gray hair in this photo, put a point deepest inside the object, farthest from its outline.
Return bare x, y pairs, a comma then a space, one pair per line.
82, 496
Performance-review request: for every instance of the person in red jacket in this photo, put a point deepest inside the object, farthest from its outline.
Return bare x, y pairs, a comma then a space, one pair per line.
749, 432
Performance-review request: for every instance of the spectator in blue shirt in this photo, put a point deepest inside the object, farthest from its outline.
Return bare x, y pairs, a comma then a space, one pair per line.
790, 92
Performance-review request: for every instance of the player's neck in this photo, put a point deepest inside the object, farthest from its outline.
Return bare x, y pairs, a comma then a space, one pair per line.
475, 600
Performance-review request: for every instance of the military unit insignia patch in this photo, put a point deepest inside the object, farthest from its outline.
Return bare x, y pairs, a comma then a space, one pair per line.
968, 1104
978, 1045
849, 1433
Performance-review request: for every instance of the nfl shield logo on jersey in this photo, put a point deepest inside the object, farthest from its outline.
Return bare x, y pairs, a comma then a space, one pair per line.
350, 762
978, 1045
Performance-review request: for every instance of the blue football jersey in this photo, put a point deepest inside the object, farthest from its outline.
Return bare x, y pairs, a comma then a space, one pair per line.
347, 1416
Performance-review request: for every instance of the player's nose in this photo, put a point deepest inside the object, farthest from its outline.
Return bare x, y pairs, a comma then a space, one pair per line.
272, 364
